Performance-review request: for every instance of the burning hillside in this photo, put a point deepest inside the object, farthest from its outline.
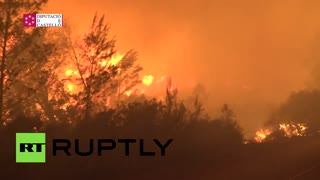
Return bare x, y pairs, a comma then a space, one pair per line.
288, 129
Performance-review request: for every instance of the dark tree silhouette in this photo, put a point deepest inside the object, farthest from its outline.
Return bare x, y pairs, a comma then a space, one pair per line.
21, 52
98, 76
300, 107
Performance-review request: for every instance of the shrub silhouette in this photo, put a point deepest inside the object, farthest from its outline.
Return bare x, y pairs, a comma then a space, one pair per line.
300, 107
146, 119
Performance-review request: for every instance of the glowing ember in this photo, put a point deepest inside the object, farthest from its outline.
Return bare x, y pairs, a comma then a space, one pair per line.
70, 87
262, 134
128, 93
114, 60
69, 72
293, 130
289, 130
103, 63
147, 80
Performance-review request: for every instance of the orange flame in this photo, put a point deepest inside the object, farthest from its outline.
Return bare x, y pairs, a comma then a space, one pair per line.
114, 60
289, 130
128, 93
150, 86
70, 87
262, 134
293, 130
69, 72
147, 80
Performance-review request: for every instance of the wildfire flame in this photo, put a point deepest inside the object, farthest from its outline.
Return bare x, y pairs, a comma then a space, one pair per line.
114, 60
72, 88
69, 72
293, 129
128, 93
262, 134
289, 130
150, 84
147, 80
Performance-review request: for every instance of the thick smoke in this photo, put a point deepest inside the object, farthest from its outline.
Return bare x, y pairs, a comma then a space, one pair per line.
250, 54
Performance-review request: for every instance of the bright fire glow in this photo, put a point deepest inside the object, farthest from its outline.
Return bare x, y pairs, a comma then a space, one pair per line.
128, 93
69, 72
147, 80
103, 63
70, 87
113, 61
151, 86
262, 134
293, 130
289, 130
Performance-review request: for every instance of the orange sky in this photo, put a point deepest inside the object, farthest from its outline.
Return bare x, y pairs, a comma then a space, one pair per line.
249, 53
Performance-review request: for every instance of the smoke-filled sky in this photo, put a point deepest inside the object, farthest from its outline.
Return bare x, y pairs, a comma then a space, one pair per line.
249, 53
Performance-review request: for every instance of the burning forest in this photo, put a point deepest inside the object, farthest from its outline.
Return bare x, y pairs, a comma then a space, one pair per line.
86, 88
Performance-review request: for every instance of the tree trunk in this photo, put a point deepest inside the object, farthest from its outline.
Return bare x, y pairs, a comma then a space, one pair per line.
88, 102
3, 62
46, 107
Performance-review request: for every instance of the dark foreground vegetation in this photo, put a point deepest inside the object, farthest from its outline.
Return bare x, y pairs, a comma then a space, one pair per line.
201, 149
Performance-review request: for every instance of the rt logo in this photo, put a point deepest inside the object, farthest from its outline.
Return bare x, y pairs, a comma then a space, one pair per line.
30, 148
